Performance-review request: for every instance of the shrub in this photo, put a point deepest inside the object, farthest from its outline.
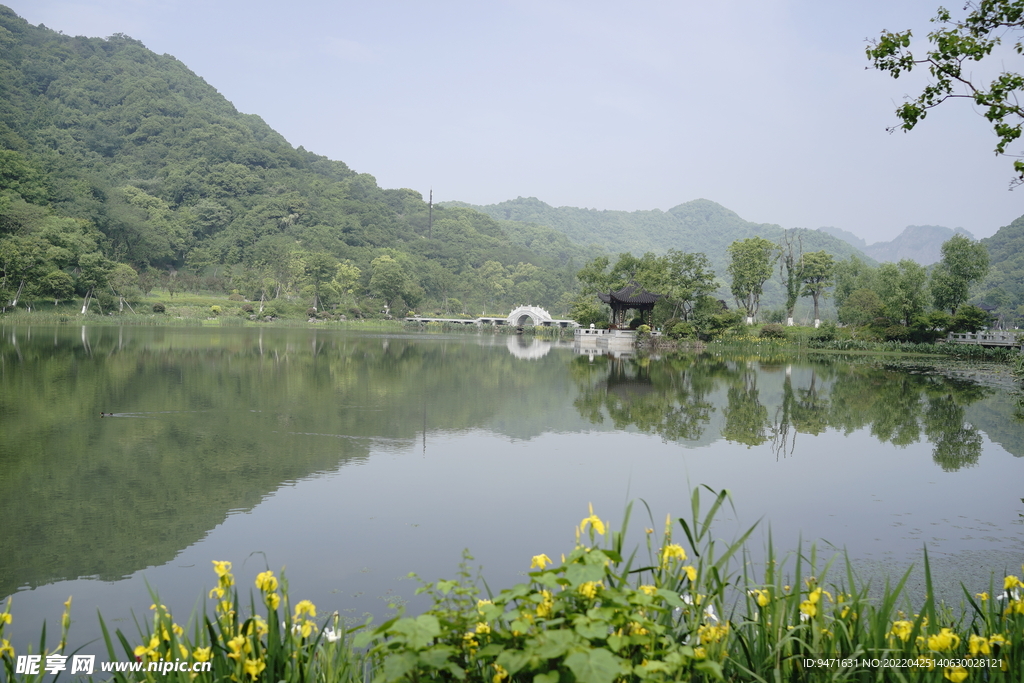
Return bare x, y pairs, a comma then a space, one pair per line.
772, 331
248, 308
681, 330
159, 308
826, 332
235, 296
215, 310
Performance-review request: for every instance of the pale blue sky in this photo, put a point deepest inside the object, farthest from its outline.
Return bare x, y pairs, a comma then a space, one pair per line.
764, 106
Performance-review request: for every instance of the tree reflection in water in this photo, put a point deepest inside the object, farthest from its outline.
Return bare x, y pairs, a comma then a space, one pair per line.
679, 396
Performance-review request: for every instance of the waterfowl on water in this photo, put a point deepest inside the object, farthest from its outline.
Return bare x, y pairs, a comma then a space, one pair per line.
106, 414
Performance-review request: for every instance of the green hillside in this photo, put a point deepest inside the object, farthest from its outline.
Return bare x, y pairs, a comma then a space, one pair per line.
111, 154
696, 226
1004, 286
699, 225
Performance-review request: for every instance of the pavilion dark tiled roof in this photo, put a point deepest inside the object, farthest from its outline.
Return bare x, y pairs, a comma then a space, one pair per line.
631, 295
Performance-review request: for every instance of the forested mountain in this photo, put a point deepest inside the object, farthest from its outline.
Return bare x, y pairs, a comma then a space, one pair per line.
110, 153
1004, 286
699, 225
846, 236
921, 243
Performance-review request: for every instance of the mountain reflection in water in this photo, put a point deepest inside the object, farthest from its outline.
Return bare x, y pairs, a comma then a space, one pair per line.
355, 458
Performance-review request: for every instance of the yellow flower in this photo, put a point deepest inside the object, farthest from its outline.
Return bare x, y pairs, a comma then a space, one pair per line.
222, 567
943, 640
540, 561
763, 597
708, 633
588, 589
219, 592
500, 673
699, 653
148, 650
266, 581
691, 573
997, 639
305, 607
470, 642
254, 667
649, 590
955, 673
483, 627
546, 605
808, 608
273, 600
5, 648
236, 644
5, 618
672, 551
978, 645
636, 629
593, 521
1011, 582
202, 654
982, 596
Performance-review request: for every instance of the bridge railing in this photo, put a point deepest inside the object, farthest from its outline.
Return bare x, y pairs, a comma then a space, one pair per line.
985, 338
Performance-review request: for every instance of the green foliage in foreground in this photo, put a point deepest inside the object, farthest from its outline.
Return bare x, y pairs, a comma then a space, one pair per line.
672, 612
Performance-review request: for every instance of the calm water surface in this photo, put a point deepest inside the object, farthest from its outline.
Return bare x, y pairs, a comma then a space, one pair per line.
352, 459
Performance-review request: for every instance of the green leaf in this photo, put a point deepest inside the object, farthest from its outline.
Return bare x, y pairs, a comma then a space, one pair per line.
419, 632
553, 644
709, 668
581, 573
548, 677
590, 629
594, 666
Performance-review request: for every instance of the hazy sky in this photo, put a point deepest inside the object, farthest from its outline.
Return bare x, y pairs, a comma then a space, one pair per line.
764, 106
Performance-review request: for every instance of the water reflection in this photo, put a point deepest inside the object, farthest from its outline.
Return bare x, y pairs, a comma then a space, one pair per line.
775, 400
455, 430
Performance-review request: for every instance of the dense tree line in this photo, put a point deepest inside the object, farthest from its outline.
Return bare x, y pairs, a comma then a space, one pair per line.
901, 301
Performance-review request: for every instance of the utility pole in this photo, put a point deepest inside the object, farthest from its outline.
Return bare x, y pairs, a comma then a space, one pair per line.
430, 216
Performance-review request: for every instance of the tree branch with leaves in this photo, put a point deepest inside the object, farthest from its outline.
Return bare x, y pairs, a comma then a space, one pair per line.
953, 47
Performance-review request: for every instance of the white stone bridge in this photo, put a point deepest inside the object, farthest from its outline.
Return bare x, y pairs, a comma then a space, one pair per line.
521, 316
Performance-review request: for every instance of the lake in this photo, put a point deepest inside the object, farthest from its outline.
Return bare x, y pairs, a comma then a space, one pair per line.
351, 459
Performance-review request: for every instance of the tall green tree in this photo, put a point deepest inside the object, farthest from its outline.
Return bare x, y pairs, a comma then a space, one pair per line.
752, 262
954, 46
318, 269
902, 289
790, 258
388, 279
817, 273
684, 279
964, 262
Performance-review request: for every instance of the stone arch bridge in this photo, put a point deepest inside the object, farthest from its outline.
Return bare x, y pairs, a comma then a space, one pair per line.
521, 316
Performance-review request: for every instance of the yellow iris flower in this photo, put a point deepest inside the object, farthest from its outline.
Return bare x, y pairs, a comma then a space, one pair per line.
541, 561
594, 521
266, 581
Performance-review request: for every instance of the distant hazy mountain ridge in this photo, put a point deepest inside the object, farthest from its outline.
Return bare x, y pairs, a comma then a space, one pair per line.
921, 243
700, 225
